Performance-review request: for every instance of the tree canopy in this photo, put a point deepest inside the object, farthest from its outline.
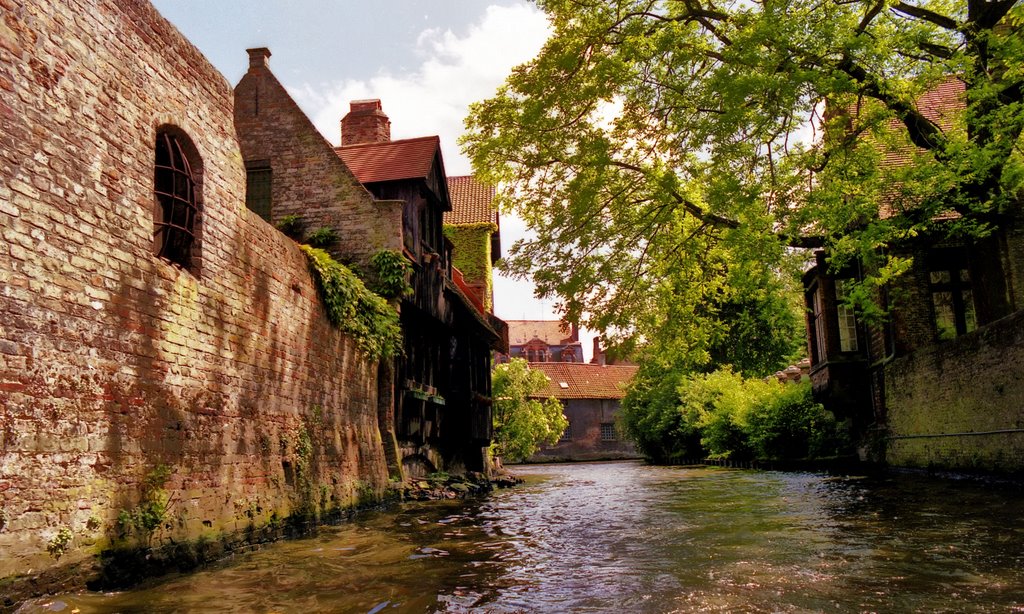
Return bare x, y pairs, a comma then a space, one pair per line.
668, 155
522, 422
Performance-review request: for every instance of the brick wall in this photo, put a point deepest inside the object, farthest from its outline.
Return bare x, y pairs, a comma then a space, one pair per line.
308, 179
114, 362
585, 419
972, 384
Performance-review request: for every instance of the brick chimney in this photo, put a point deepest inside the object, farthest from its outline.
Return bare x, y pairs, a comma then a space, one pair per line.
599, 357
365, 123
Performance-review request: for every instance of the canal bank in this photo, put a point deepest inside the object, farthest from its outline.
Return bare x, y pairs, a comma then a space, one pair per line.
624, 536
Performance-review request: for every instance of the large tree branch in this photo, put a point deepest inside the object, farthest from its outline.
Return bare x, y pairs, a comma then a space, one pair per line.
922, 131
926, 15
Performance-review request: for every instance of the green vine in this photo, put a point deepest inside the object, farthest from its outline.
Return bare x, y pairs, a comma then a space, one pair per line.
353, 308
471, 252
390, 274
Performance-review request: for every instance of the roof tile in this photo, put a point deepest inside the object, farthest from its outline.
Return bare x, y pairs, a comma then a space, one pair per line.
585, 381
471, 201
391, 160
551, 332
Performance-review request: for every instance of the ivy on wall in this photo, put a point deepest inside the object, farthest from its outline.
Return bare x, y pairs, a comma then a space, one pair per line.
353, 308
389, 275
471, 253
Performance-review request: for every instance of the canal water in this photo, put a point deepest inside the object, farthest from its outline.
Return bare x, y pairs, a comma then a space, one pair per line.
626, 537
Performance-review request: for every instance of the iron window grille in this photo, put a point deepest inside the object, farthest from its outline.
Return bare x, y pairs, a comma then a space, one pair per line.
177, 210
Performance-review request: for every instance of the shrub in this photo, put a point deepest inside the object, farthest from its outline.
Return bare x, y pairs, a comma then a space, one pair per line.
322, 237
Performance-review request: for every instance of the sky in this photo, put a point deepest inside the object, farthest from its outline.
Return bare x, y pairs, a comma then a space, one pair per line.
427, 60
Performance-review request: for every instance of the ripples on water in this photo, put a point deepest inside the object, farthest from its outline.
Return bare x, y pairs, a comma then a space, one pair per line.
625, 537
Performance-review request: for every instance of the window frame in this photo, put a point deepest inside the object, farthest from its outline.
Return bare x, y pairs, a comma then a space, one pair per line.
177, 206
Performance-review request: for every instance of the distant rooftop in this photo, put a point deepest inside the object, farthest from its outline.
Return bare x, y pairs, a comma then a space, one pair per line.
575, 380
551, 332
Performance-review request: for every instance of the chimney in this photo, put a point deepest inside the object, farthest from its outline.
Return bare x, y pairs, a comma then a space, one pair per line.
598, 358
365, 123
575, 334
258, 57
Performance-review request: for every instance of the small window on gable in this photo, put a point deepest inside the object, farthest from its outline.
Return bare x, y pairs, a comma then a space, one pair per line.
258, 185
177, 209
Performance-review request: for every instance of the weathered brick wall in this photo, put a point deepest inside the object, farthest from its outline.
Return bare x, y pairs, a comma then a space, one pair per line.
114, 362
585, 418
308, 179
972, 384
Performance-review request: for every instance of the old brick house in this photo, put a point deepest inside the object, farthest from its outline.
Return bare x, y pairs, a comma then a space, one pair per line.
941, 383
159, 341
590, 395
443, 384
544, 341
473, 227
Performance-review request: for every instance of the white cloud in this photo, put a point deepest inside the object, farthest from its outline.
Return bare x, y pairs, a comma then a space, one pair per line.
434, 98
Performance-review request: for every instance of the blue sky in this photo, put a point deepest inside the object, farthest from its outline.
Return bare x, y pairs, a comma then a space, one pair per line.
425, 59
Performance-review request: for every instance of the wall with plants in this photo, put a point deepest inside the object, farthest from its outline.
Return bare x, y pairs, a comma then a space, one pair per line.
471, 254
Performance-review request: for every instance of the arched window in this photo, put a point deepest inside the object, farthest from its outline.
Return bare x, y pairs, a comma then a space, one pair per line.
177, 210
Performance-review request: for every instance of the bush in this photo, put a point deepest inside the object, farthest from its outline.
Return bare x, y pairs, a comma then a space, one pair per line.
672, 417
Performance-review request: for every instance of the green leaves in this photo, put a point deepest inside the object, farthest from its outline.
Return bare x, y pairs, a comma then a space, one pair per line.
522, 423
667, 152
353, 308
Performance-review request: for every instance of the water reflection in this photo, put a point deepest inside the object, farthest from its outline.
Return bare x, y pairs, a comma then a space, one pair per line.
618, 537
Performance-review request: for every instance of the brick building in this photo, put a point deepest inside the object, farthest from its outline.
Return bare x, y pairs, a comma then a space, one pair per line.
443, 384
544, 341
159, 339
591, 395
941, 384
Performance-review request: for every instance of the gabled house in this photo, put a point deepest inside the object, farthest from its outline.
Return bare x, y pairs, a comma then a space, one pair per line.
544, 341
473, 227
591, 396
442, 384
378, 194
941, 383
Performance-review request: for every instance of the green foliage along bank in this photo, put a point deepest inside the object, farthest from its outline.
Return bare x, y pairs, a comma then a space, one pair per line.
523, 423
353, 308
674, 417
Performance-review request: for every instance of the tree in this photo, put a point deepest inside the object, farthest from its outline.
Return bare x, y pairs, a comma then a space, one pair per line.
670, 154
523, 422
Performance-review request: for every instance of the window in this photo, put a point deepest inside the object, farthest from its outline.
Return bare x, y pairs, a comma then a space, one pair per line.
952, 300
177, 209
566, 434
816, 301
608, 432
258, 188
846, 318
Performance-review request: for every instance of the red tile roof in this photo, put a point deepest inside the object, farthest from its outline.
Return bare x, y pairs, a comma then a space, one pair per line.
551, 332
471, 201
939, 104
391, 160
577, 380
